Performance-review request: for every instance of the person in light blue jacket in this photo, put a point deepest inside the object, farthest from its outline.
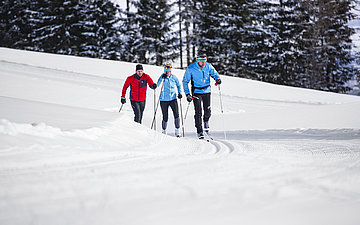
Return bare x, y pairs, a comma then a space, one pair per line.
199, 73
170, 89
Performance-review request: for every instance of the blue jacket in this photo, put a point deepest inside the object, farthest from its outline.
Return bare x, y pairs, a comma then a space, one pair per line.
171, 88
199, 77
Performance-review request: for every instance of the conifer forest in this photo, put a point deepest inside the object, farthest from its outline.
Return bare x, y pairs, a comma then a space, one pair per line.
301, 43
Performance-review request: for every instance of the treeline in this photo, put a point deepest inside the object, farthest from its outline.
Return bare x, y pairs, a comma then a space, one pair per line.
303, 43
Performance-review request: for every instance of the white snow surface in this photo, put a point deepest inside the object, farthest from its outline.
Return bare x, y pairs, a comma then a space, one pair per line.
290, 156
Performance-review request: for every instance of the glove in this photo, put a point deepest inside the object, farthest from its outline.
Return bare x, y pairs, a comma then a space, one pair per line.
123, 100
218, 81
179, 95
154, 86
188, 98
164, 76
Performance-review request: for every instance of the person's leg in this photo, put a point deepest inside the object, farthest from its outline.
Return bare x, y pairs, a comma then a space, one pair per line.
207, 109
136, 108
142, 107
175, 108
198, 113
164, 109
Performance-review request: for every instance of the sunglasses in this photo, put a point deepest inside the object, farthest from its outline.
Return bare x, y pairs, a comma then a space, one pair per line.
167, 67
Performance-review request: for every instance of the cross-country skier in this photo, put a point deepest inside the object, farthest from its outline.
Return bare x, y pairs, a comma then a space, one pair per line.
171, 88
138, 86
198, 73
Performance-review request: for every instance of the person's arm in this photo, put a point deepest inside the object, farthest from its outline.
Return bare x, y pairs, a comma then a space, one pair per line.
178, 84
185, 81
150, 82
178, 87
213, 73
125, 87
160, 80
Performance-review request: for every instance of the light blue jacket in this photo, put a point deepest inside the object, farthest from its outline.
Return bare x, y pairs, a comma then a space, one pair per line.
199, 77
171, 88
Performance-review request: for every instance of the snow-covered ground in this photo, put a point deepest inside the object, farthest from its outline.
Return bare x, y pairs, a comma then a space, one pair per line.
67, 156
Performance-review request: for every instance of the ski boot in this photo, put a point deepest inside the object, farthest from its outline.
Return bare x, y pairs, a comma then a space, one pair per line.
177, 132
163, 125
201, 135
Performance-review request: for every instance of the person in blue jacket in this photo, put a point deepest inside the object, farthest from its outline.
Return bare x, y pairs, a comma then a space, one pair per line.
170, 89
199, 73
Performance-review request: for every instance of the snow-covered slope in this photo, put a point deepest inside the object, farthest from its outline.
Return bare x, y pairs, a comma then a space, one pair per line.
67, 156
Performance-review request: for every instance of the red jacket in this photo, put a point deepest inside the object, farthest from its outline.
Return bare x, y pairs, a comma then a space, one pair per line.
137, 86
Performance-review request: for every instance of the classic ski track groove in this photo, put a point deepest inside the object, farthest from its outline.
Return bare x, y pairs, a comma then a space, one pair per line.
228, 144
222, 146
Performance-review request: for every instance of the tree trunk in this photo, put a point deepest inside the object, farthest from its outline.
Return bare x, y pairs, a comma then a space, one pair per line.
180, 31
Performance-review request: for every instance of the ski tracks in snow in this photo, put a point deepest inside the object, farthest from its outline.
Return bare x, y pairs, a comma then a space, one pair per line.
222, 146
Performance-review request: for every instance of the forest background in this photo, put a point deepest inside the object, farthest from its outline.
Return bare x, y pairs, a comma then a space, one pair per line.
302, 43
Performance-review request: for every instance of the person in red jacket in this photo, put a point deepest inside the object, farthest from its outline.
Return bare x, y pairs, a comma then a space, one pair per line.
138, 84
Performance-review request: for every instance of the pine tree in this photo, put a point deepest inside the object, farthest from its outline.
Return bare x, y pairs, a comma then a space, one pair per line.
159, 42
245, 38
180, 22
338, 46
188, 12
14, 26
229, 32
328, 57
129, 34
99, 33
209, 30
52, 22
285, 26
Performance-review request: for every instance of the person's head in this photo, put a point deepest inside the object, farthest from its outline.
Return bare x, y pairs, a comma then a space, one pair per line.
167, 68
201, 59
139, 70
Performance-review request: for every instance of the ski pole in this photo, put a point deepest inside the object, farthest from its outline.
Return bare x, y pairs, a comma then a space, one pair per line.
121, 107
182, 118
222, 111
157, 105
155, 108
187, 109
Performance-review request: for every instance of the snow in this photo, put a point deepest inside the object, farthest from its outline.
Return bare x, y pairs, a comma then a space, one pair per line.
67, 156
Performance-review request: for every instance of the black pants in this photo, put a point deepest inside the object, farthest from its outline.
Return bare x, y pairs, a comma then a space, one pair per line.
205, 100
138, 108
175, 108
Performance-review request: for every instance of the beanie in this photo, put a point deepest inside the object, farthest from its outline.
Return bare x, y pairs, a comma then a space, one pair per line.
139, 67
201, 57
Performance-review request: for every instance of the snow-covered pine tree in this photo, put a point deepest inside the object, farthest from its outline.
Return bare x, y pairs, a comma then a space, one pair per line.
129, 34
188, 12
53, 26
111, 42
210, 39
180, 22
159, 41
245, 39
99, 32
284, 23
338, 46
84, 28
328, 57
14, 25
229, 31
